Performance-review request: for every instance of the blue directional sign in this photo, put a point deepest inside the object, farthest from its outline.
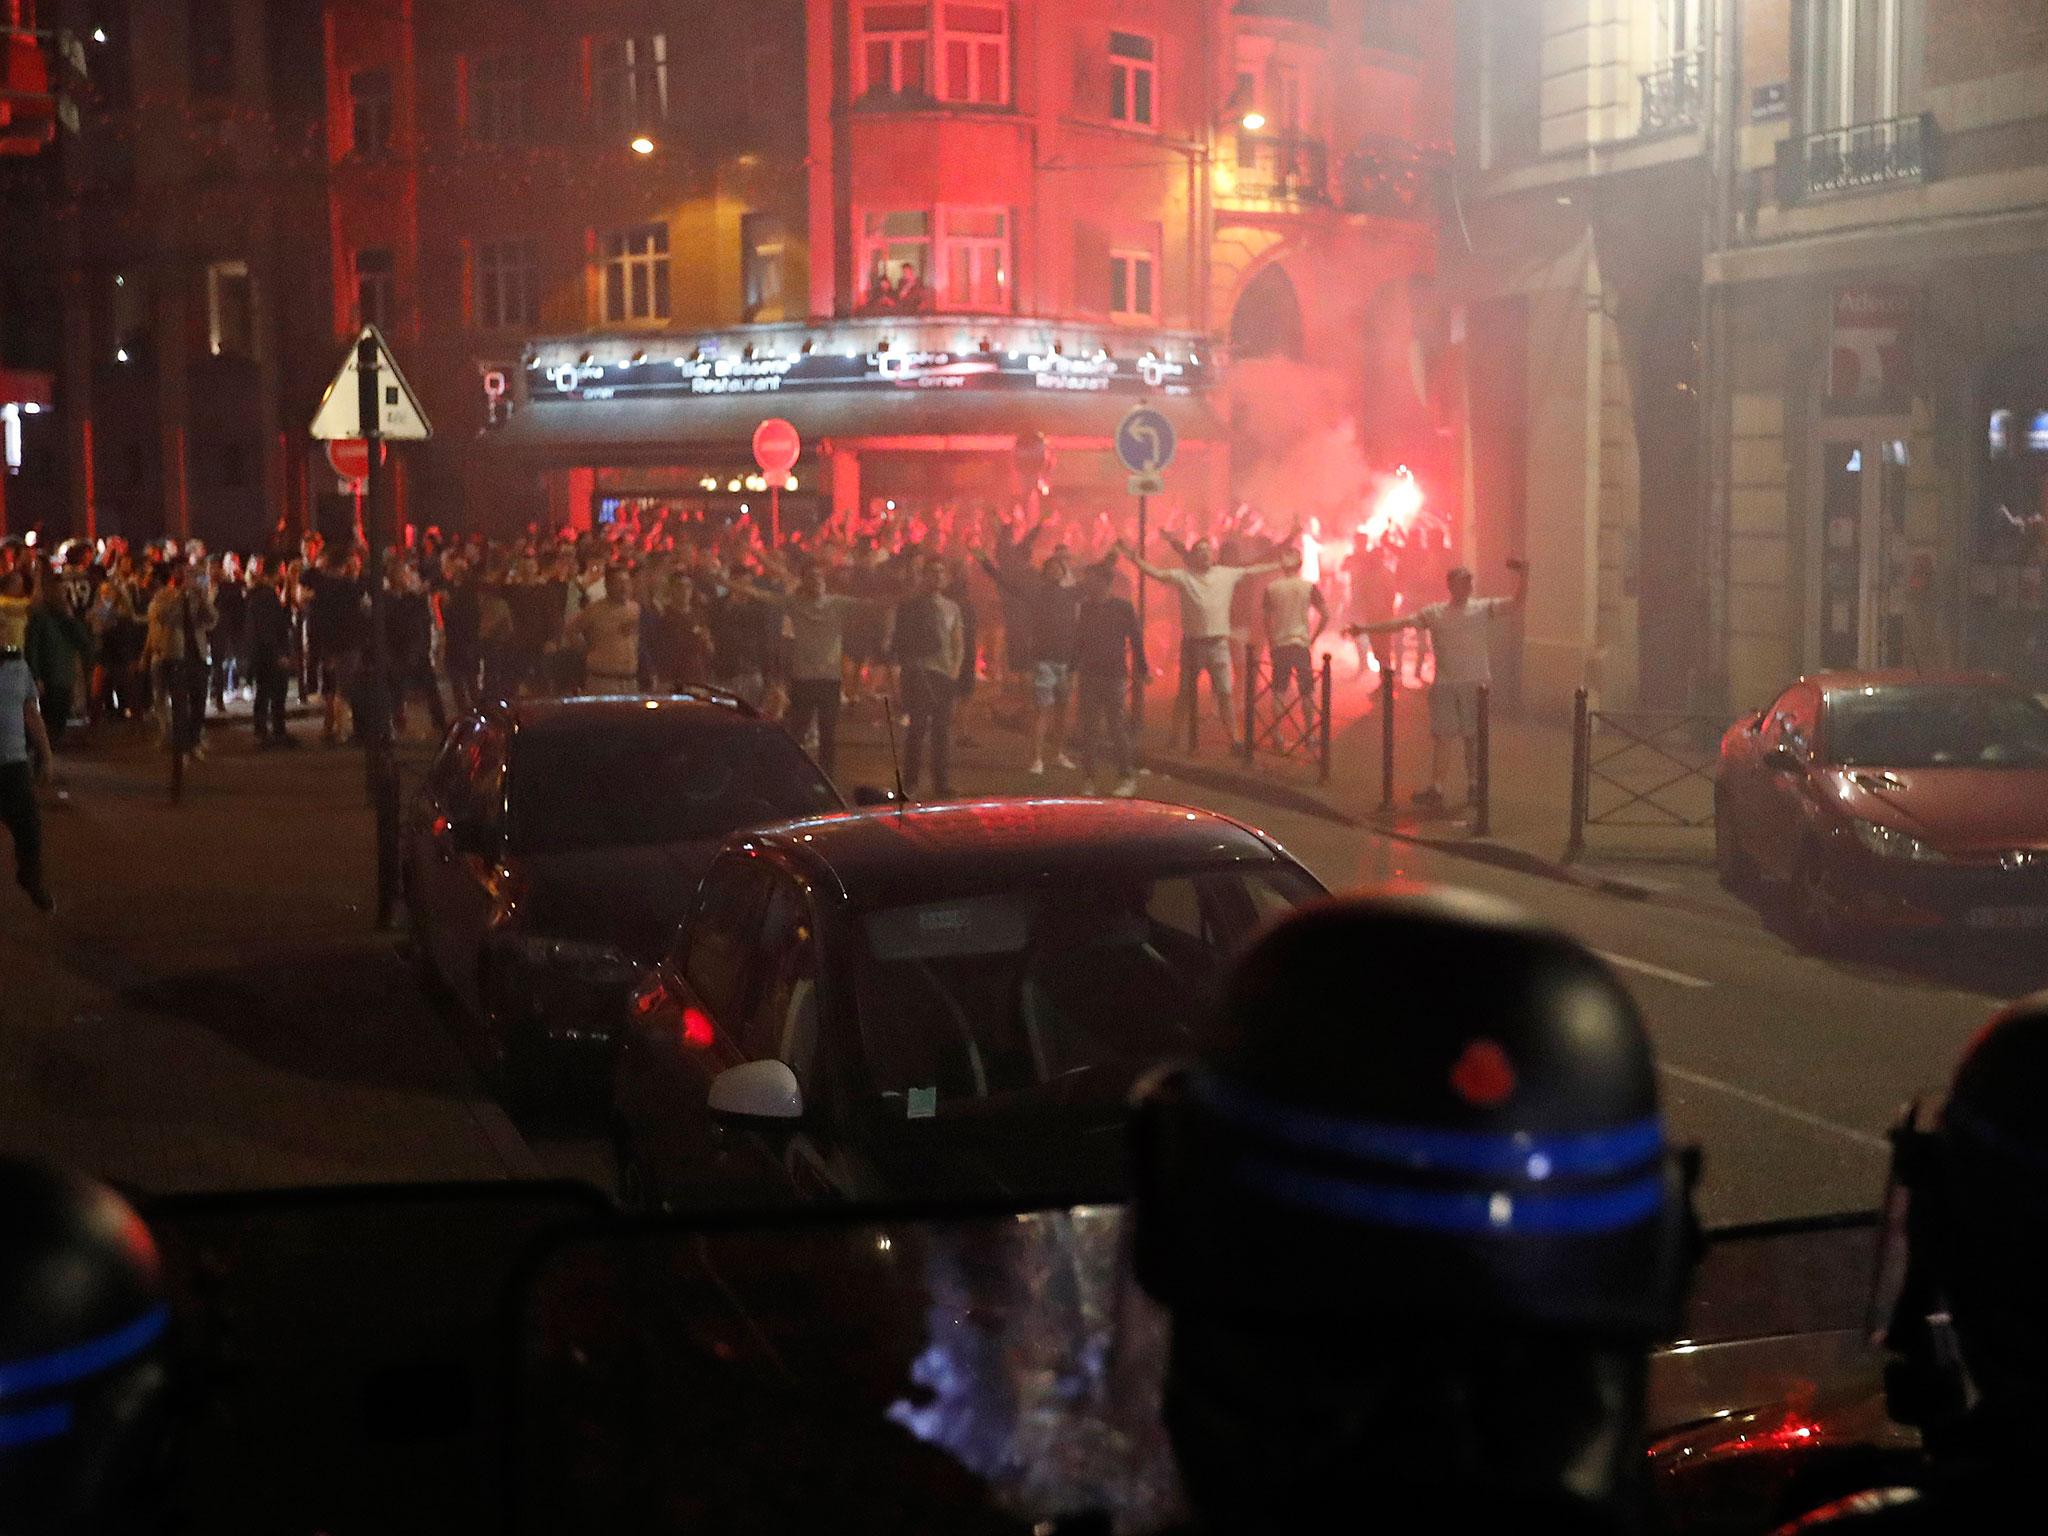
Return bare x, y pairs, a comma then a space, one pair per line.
1145, 441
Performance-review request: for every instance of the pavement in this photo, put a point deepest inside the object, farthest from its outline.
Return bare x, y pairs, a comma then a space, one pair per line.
210, 1008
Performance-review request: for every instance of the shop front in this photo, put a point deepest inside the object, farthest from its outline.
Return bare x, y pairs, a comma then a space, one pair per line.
900, 419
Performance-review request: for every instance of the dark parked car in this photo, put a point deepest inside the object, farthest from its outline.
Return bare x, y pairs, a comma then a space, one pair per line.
946, 1002
1891, 801
554, 847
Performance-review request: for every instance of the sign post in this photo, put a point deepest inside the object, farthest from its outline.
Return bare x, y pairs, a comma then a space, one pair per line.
776, 446
365, 410
1145, 442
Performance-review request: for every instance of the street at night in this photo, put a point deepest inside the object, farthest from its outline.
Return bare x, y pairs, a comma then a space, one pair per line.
1089, 767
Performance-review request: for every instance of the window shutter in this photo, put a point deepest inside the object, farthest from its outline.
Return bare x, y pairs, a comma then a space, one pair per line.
1091, 269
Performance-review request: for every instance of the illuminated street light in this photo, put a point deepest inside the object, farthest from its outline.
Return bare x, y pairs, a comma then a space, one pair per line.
99, 34
1254, 121
642, 145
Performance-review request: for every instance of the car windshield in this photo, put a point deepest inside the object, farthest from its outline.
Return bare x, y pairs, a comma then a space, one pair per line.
1003, 992
1928, 726
656, 779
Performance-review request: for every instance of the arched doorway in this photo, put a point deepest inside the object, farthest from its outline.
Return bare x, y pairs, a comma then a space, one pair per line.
1267, 319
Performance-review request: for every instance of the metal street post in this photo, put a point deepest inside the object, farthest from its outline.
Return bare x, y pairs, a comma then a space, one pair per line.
373, 699
1138, 677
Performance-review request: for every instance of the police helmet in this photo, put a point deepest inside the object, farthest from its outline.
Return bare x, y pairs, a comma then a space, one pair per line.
83, 1325
1418, 1106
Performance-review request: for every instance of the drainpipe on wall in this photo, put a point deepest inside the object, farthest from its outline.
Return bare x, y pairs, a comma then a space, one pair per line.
1722, 135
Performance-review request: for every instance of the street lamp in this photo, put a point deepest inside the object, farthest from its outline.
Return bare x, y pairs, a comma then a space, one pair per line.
642, 145
1254, 121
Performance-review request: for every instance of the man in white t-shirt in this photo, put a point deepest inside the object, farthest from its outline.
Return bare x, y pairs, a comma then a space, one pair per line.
1458, 631
1206, 590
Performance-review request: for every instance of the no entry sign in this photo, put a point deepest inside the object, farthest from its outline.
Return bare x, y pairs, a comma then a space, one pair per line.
776, 447
350, 457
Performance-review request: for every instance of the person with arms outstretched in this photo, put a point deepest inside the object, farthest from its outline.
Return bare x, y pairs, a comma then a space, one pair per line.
1205, 589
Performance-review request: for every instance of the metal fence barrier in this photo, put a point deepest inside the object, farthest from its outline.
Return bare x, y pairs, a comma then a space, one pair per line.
1644, 764
1286, 722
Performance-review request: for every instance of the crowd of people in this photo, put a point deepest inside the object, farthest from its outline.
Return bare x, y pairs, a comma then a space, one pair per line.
920, 608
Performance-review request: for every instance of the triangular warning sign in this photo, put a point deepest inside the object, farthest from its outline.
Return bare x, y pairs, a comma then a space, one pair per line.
398, 409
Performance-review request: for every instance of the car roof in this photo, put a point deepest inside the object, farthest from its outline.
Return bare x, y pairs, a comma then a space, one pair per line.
883, 857
1894, 677
579, 711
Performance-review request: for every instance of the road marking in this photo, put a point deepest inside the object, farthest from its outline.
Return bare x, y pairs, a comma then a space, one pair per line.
1790, 1112
1644, 968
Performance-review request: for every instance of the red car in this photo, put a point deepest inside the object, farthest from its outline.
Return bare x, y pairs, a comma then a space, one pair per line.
1891, 801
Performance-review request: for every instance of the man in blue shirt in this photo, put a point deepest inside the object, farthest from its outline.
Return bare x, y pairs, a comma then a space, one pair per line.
24, 759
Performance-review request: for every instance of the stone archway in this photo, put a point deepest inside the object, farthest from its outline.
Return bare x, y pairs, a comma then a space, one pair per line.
1266, 320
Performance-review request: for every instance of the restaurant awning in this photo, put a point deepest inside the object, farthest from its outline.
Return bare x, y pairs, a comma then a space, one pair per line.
649, 431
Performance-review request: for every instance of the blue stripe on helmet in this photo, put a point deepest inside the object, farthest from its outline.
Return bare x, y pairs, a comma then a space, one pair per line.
62, 1366
34, 1425
1487, 1154
1458, 1213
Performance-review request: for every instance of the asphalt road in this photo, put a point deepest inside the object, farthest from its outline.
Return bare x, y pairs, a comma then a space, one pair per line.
209, 1010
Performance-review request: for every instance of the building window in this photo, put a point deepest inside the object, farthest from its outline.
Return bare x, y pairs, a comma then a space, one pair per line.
507, 292
210, 47
763, 248
375, 286
1853, 52
369, 108
636, 274
1133, 79
629, 82
230, 310
956, 52
494, 106
895, 249
974, 256
1133, 285
895, 50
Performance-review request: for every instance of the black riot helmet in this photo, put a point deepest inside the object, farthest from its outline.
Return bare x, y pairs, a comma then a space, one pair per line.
1969, 1328
1415, 1217
83, 1346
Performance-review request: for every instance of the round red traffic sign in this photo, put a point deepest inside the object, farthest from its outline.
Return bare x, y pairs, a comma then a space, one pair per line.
350, 457
776, 446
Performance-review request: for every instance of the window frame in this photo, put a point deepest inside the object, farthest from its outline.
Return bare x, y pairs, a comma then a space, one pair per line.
384, 282
1125, 71
616, 252
1833, 69
874, 246
505, 294
377, 108
1003, 247
764, 247
497, 80
216, 309
988, 56
626, 112
1123, 259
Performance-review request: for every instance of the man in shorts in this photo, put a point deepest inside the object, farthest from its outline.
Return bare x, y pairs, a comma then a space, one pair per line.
1047, 604
1206, 590
1457, 631
1295, 615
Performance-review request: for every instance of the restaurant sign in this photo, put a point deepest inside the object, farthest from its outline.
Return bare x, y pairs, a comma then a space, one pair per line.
708, 374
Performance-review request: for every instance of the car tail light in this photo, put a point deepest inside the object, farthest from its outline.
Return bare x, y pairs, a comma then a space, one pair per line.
692, 1024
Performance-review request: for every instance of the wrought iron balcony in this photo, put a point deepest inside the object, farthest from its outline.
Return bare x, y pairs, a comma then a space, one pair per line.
1855, 157
1673, 94
1282, 168
1391, 178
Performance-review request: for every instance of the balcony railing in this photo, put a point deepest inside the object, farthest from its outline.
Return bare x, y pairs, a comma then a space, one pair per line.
1858, 156
1672, 95
1282, 168
1390, 178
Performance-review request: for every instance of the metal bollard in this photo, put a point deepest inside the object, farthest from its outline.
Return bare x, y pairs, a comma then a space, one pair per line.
1582, 741
1386, 739
1323, 724
1482, 776
1251, 697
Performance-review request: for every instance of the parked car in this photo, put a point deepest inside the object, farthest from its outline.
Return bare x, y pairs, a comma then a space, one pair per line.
946, 1002
554, 847
1889, 801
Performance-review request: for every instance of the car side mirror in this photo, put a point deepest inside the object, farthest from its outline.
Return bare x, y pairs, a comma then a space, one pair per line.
869, 795
757, 1090
1784, 760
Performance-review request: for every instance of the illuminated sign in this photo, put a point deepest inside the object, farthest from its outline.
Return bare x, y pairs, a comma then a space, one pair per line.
706, 375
